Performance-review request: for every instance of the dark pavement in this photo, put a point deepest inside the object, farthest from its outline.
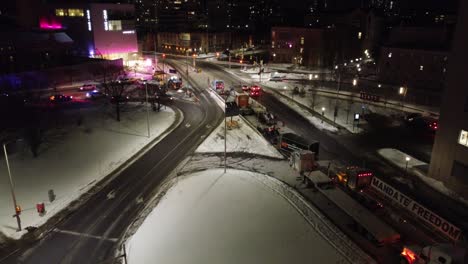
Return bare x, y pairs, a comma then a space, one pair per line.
90, 233
361, 150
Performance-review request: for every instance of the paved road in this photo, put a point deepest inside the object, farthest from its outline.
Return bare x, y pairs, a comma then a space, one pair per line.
90, 233
359, 150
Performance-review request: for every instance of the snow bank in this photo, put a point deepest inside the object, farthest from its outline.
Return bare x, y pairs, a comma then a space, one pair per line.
317, 122
242, 139
212, 217
398, 158
73, 160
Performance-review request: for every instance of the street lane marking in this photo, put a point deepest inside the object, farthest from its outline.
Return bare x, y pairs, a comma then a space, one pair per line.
187, 125
111, 195
84, 235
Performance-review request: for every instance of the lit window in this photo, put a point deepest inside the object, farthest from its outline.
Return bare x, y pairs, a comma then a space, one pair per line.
60, 12
421, 67
302, 40
359, 35
389, 54
104, 16
75, 12
114, 25
463, 139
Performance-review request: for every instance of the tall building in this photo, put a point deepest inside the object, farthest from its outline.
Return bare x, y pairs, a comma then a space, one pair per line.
449, 161
180, 16
97, 29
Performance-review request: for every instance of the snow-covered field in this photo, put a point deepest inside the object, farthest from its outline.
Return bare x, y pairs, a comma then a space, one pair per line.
242, 139
212, 217
73, 159
398, 158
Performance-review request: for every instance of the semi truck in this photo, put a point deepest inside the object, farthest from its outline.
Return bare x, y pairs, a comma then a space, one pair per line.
353, 177
292, 142
218, 86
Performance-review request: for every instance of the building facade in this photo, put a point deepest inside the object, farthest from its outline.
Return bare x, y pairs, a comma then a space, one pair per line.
418, 68
314, 47
98, 30
449, 161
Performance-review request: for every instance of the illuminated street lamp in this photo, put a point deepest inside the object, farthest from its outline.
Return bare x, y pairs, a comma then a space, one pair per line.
407, 160
354, 82
310, 76
380, 86
323, 113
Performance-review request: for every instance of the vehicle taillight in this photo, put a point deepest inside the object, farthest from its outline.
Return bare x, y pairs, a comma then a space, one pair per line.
409, 255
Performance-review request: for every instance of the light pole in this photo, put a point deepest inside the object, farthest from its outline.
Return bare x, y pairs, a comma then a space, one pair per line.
402, 91
323, 113
186, 61
164, 71
406, 169
335, 113
147, 108
12, 189
225, 139
194, 64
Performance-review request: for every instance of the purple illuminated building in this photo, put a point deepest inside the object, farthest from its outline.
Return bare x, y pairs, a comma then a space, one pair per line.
97, 29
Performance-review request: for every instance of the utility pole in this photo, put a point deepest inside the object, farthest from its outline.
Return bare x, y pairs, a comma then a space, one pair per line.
225, 139
147, 108
12, 189
335, 113
186, 61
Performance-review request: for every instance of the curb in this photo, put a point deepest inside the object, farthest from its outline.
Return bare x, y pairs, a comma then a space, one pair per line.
314, 113
43, 230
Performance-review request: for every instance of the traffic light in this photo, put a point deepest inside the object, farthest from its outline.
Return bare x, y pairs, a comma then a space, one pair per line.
18, 210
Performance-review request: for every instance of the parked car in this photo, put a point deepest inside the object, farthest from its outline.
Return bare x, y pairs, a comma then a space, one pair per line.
88, 87
276, 79
267, 118
95, 94
120, 99
60, 98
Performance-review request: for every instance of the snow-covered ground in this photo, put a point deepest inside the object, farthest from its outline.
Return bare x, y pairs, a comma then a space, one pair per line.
398, 158
212, 217
73, 159
242, 139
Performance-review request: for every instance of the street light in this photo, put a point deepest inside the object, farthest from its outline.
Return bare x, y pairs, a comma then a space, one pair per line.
380, 86
407, 160
12, 189
147, 108
354, 82
323, 113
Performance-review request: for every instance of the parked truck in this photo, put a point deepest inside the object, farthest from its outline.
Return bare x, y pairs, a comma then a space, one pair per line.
353, 177
292, 142
218, 86
436, 254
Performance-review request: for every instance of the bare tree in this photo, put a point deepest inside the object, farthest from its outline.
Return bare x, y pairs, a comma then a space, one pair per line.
117, 90
313, 97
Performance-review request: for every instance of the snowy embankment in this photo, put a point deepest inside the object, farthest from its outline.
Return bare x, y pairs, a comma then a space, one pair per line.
73, 159
398, 159
242, 139
236, 217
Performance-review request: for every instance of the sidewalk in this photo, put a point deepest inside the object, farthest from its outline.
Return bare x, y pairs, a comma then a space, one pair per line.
417, 168
73, 159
